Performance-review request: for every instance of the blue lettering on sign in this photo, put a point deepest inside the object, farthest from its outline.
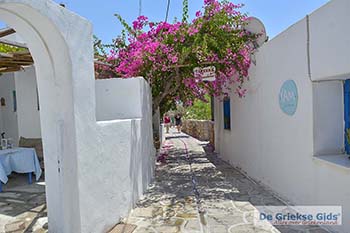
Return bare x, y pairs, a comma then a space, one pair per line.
288, 97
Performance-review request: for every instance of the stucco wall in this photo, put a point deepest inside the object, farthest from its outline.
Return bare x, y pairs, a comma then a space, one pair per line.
118, 99
278, 149
125, 153
87, 171
27, 104
329, 41
25, 121
8, 116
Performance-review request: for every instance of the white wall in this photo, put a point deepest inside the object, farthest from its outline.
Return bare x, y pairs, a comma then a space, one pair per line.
27, 115
25, 121
27, 105
110, 105
94, 171
329, 41
128, 160
278, 149
8, 116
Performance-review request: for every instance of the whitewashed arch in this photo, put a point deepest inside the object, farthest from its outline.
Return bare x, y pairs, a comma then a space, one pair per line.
60, 43
95, 170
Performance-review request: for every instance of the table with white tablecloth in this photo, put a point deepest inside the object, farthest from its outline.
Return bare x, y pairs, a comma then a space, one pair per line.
20, 160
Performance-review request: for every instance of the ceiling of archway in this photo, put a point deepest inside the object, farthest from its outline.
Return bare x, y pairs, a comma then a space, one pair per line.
14, 56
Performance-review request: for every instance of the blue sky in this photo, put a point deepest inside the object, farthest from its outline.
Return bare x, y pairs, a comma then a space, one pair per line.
277, 15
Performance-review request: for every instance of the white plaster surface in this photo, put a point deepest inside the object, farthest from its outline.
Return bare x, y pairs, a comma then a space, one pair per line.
91, 167
128, 147
328, 28
25, 121
118, 99
278, 149
8, 118
27, 104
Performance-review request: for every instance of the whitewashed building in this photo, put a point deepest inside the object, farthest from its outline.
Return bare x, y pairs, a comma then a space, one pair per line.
289, 131
20, 116
98, 147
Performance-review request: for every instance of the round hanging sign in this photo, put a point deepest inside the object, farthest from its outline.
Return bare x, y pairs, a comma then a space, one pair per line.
288, 97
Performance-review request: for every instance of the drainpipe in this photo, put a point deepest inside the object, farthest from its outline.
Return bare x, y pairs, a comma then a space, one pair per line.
308, 46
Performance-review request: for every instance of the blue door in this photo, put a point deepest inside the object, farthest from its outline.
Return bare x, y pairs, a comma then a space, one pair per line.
227, 113
346, 113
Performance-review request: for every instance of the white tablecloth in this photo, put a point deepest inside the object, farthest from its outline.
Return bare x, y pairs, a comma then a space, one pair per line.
20, 160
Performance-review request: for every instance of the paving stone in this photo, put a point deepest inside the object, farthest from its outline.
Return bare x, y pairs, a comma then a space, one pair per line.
144, 230
9, 195
123, 228
243, 206
317, 230
187, 215
285, 229
15, 201
218, 228
225, 219
247, 228
15, 227
3, 204
192, 225
167, 229
147, 212
41, 231
25, 203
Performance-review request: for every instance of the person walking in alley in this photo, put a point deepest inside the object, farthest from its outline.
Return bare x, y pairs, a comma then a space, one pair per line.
178, 122
172, 118
166, 121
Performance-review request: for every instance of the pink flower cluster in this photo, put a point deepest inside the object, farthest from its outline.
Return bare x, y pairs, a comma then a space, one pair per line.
165, 47
140, 22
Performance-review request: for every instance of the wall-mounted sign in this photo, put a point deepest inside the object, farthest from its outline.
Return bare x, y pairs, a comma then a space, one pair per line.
207, 73
288, 97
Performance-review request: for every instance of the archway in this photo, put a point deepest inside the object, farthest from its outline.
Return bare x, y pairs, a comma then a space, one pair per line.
60, 44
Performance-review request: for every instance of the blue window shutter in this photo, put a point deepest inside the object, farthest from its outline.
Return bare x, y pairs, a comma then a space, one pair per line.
227, 113
346, 113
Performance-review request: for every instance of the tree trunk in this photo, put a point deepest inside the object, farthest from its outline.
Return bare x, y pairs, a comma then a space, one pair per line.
169, 88
157, 134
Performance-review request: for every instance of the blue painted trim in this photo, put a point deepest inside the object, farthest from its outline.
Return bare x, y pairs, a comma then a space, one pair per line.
30, 178
346, 113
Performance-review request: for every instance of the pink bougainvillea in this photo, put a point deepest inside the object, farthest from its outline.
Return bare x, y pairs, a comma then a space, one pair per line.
166, 54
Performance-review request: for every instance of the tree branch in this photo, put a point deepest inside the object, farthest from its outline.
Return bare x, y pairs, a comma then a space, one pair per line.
168, 89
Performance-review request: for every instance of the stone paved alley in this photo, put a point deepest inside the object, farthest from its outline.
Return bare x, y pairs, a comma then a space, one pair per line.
199, 193
202, 194
23, 206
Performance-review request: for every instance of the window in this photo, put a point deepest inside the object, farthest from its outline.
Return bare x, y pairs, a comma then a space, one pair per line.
227, 113
328, 116
331, 116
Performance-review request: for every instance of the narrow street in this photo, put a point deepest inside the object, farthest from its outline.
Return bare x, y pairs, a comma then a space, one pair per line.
195, 192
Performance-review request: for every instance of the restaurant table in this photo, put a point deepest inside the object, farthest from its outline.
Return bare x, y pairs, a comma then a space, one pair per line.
19, 160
